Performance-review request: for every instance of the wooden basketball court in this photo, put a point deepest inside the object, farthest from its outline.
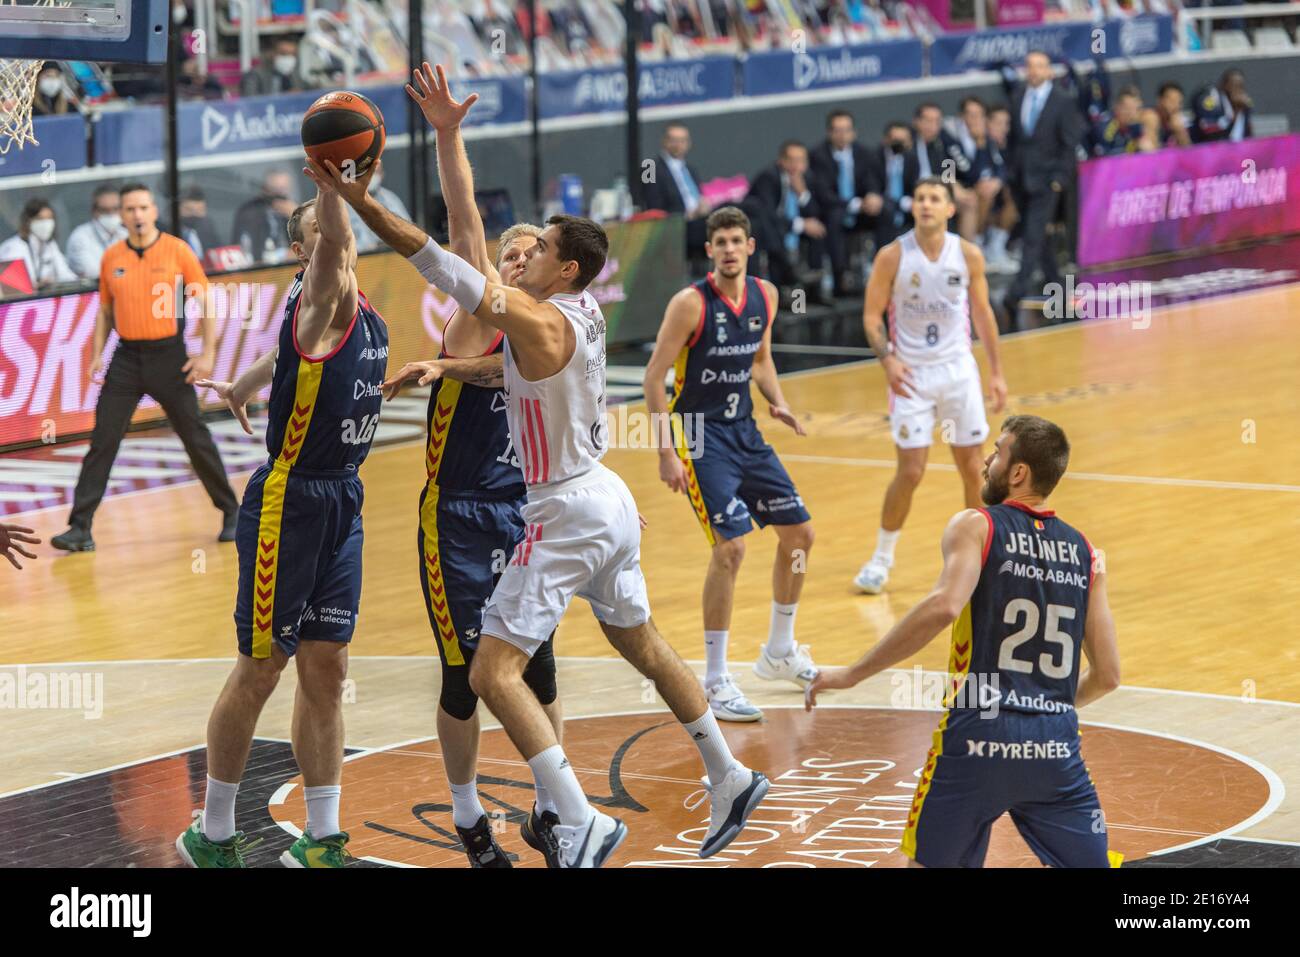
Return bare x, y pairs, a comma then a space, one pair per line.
1184, 470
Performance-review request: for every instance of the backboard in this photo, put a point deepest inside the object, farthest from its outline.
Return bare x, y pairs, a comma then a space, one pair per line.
115, 31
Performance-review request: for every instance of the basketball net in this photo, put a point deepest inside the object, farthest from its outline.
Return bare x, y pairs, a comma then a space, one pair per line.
17, 89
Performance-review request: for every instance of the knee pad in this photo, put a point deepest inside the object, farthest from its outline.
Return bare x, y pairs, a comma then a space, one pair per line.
456, 697
540, 673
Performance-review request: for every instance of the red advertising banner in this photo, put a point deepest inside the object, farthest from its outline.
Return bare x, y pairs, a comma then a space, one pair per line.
45, 395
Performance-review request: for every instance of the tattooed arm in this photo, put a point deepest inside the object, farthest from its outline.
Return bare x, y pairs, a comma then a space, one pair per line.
485, 371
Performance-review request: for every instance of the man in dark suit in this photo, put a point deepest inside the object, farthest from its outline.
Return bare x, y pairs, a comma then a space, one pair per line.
847, 193
936, 153
887, 175
675, 187
789, 224
1043, 142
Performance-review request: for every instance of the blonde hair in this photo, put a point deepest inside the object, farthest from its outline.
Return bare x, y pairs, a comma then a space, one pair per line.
513, 233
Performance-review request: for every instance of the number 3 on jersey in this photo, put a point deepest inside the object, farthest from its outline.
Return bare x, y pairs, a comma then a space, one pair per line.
733, 403
354, 434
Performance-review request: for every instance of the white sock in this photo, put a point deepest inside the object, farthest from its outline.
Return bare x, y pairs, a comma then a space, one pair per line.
715, 657
997, 242
323, 810
551, 769
780, 633
466, 808
542, 798
219, 810
704, 731
885, 542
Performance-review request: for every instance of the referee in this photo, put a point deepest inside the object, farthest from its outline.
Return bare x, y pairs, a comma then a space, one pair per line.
142, 281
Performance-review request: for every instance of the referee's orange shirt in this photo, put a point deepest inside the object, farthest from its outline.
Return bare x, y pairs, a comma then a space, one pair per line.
147, 287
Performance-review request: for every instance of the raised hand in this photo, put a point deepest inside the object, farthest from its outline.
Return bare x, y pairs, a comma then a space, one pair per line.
226, 391
347, 184
10, 536
783, 414
429, 89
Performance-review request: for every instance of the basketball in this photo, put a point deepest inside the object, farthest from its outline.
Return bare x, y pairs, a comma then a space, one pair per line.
344, 127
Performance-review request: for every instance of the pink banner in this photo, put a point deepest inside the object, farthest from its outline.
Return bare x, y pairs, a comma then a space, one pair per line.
1184, 199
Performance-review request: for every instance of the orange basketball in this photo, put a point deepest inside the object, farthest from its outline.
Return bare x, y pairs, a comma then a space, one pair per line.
344, 127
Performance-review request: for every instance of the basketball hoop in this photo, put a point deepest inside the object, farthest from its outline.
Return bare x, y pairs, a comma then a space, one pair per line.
17, 89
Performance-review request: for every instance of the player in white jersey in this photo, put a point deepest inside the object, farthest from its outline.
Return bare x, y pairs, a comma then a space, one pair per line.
933, 284
584, 535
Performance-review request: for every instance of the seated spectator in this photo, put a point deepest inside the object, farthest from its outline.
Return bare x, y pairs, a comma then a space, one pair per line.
1121, 130
675, 187
86, 243
986, 177
190, 85
1171, 122
36, 246
51, 97
849, 195
197, 228
782, 205
1223, 112
278, 70
890, 169
261, 222
1003, 215
366, 239
936, 153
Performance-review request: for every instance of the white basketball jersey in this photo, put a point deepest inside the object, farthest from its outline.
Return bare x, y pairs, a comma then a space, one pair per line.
929, 316
558, 424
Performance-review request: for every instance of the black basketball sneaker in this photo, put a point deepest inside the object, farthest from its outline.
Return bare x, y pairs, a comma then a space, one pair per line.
537, 834
480, 847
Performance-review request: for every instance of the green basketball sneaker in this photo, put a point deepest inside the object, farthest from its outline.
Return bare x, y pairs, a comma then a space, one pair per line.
309, 852
197, 851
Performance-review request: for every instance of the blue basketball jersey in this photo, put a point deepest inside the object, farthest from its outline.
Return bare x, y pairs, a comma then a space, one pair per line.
469, 447
1023, 626
324, 411
714, 367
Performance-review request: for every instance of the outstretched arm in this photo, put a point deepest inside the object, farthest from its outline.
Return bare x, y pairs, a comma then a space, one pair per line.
485, 371
986, 325
537, 327
963, 549
765, 375
329, 287
239, 393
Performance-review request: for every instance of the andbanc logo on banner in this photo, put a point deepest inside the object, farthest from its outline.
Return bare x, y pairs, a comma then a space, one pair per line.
784, 71
573, 93
253, 123
983, 50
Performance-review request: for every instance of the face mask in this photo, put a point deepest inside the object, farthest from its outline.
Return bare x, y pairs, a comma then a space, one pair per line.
42, 229
897, 146
109, 221
50, 87
178, 13
284, 65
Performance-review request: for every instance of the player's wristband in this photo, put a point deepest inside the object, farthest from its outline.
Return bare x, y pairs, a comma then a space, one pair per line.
451, 274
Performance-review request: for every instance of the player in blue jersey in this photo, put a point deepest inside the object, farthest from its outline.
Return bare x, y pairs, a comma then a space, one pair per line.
470, 507
299, 539
717, 337
1025, 594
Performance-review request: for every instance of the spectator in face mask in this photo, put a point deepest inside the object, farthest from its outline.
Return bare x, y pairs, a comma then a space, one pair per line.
36, 247
278, 71
260, 223
196, 227
51, 97
386, 198
88, 241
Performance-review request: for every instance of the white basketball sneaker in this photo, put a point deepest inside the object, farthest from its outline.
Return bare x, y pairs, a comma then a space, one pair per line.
729, 703
871, 579
591, 844
733, 800
796, 667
